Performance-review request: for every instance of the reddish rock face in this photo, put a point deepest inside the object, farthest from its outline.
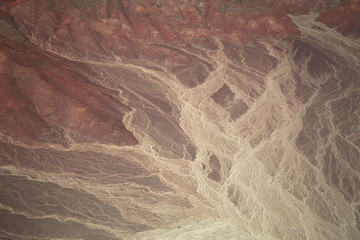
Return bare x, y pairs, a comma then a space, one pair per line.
344, 18
191, 119
45, 102
129, 28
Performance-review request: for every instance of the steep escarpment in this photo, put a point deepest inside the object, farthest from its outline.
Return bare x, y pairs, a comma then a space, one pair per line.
179, 119
344, 18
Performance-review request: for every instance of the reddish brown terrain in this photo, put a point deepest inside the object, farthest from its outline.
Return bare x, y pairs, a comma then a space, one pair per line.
344, 18
152, 119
